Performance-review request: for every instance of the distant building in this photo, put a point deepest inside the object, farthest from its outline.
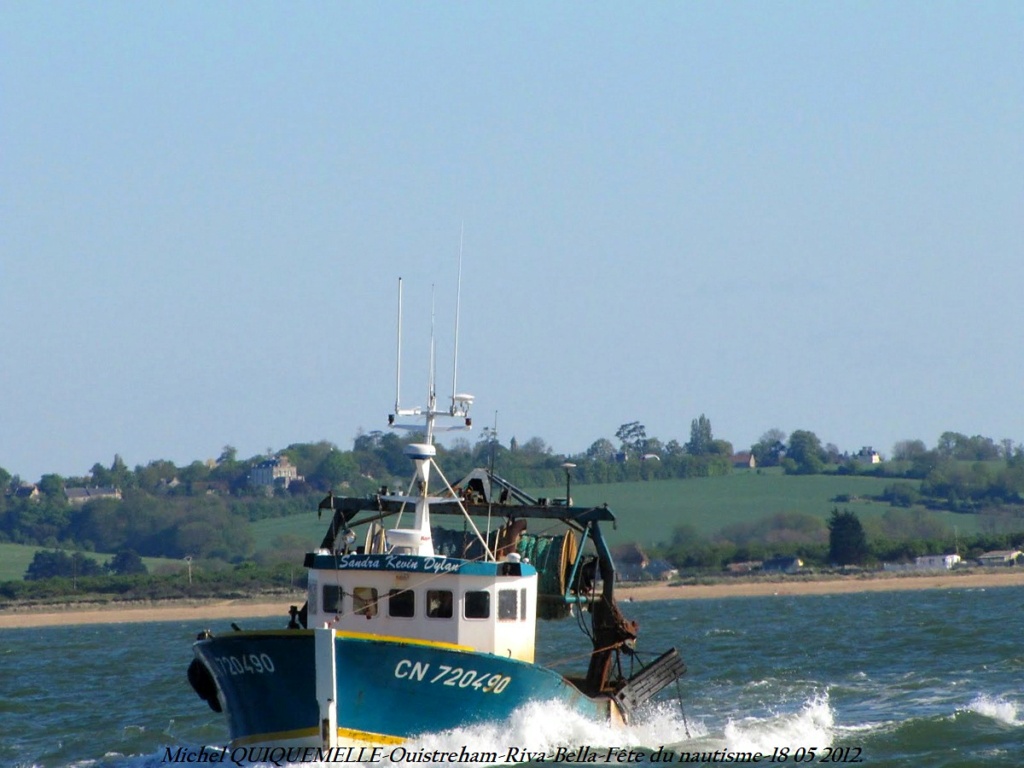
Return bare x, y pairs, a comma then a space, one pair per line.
27, 491
632, 564
660, 570
936, 562
276, 472
652, 570
1000, 557
79, 496
211, 488
743, 460
630, 554
747, 566
869, 455
782, 564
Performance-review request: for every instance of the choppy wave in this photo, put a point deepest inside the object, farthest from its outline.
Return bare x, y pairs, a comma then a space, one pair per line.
540, 728
544, 727
810, 727
889, 674
996, 708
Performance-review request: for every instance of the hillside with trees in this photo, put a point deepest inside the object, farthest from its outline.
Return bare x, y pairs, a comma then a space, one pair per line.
203, 510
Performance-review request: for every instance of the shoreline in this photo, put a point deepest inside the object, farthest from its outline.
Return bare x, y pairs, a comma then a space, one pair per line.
190, 610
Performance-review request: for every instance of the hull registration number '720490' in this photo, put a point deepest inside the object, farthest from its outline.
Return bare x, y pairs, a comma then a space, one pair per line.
453, 677
246, 664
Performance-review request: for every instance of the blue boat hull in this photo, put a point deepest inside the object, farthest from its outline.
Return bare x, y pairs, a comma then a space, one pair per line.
387, 689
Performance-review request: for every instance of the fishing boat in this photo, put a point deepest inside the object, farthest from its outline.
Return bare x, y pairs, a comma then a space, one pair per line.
414, 627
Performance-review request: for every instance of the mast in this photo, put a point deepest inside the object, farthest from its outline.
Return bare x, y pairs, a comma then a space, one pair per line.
458, 305
431, 377
417, 539
398, 355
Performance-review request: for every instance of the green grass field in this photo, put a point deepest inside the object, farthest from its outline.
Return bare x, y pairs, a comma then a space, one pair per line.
648, 512
15, 559
305, 526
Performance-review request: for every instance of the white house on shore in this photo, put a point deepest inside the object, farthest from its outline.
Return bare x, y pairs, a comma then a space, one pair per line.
924, 563
936, 562
1000, 557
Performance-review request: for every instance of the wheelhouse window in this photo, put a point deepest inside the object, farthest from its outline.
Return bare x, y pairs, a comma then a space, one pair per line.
439, 603
522, 604
332, 598
477, 605
508, 605
364, 601
402, 603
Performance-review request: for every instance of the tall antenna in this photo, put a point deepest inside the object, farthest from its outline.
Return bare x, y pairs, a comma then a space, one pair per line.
494, 440
458, 305
398, 366
461, 402
432, 386
432, 393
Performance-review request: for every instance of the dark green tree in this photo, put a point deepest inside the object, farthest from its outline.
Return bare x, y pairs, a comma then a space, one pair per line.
721, 448
633, 437
334, 469
49, 564
488, 449
52, 487
535, 446
804, 455
701, 440
908, 450
368, 442
769, 449
307, 456
601, 450
120, 476
100, 475
901, 494
125, 563
156, 475
954, 445
196, 472
847, 542
674, 449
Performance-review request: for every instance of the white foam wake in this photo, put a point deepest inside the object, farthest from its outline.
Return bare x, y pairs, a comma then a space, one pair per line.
544, 727
812, 727
539, 728
996, 708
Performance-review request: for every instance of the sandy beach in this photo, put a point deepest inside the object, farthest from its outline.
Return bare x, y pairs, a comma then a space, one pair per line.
833, 586
115, 613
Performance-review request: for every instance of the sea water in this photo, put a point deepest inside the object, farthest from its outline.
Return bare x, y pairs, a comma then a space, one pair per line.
929, 679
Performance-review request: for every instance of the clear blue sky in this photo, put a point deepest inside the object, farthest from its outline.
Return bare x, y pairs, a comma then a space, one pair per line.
781, 215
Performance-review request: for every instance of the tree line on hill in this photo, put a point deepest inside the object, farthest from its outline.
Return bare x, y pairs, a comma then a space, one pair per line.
896, 536
201, 510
